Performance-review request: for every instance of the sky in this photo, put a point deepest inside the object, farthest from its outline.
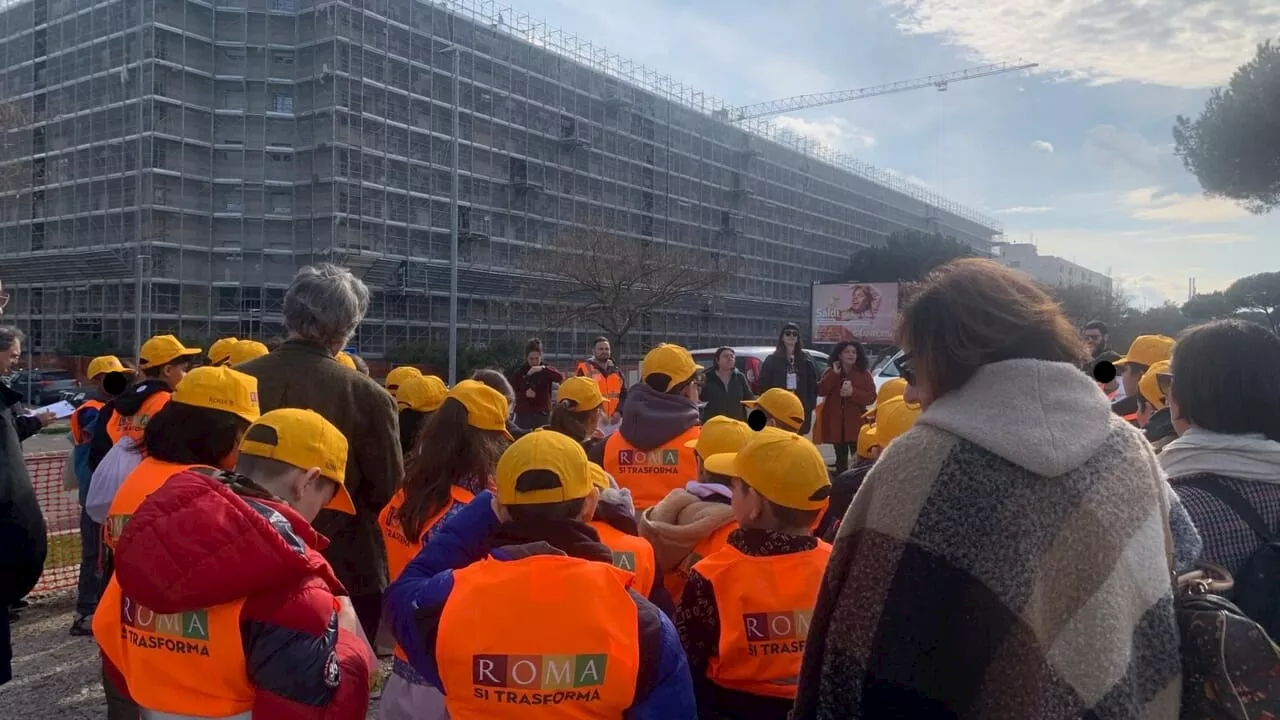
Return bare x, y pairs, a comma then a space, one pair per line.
1076, 155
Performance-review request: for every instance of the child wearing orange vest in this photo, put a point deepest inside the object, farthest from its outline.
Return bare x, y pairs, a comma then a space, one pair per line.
463, 442
745, 612
515, 610
694, 521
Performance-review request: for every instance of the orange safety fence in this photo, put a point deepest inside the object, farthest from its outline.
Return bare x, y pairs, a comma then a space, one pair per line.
62, 518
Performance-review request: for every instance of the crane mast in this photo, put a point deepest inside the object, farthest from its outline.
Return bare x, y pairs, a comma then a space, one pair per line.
804, 102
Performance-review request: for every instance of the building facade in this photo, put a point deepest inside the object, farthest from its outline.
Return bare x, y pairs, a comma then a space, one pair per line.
1048, 269
185, 158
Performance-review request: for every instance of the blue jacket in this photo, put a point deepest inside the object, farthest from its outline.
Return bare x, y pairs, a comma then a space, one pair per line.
414, 602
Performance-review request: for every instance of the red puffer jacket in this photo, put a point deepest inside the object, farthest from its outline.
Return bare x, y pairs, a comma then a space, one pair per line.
196, 543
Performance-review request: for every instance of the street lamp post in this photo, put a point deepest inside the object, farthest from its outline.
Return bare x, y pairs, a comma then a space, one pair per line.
453, 51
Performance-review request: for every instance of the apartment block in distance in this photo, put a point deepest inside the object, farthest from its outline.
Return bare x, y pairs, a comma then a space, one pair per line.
1048, 269
198, 153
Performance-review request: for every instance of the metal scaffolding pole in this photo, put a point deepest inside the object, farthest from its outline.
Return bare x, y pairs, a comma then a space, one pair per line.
453, 51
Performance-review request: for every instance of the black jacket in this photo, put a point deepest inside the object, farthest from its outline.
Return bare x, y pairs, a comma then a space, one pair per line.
724, 399
773, 374
23, 545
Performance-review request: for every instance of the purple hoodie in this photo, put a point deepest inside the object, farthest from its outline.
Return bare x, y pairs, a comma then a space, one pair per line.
651, 419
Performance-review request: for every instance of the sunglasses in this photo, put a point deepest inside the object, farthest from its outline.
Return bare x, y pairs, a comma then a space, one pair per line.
903, 364
790, 333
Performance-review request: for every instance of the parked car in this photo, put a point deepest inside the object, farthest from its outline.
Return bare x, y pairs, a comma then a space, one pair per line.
886, 369
43, 387
751, 359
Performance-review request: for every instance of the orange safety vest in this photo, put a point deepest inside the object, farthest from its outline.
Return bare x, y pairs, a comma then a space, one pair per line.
675, 580
400, 552
610, 385
572, 651
145, 479
651, 474
133, 425
765, 606
189, 663
630, 553
77, 432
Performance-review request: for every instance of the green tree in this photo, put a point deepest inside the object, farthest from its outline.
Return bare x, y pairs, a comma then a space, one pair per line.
906, 256
1233, 148
1085, 303
1164, 319
501, 354
1208, 306
79, 344
1260, 294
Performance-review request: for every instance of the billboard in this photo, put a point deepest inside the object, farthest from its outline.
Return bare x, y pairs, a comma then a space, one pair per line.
866, 312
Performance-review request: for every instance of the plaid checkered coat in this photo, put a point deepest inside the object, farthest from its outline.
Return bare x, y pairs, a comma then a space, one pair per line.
1004, 559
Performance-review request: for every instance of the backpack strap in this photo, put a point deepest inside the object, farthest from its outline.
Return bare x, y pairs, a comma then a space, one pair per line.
1236, 502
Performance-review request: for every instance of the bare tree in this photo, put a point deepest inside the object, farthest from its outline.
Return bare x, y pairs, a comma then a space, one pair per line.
12, 147
590, 274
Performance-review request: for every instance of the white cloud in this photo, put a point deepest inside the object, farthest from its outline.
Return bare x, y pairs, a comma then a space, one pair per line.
1024, 209
1149, 290
834, 131
1179, 43
1150, 203
1043, 146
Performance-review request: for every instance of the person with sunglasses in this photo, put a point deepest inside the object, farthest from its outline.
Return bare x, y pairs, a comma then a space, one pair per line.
790, 369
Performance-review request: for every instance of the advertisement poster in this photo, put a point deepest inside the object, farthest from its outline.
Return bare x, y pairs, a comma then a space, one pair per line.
865, 312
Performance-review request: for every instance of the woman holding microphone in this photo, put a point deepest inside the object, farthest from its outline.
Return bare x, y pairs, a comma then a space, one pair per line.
847, 389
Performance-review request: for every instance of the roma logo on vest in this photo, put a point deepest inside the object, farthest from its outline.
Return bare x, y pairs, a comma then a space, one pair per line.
184, 633
776, 633
538, 679
624, 560
663, 461
392, 525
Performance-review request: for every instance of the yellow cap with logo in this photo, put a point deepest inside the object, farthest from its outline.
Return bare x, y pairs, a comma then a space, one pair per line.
219, 388
671, 360
245, 350
720, 435
1148, 350
580, 393
1149, 385
102, 365
421, 393
398, 376
782, 466
162, 350
542, 468
220, 350
487, 409
305, 440
893, 419
896, 387
781, 405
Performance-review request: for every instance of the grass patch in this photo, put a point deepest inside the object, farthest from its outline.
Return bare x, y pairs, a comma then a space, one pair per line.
64, 550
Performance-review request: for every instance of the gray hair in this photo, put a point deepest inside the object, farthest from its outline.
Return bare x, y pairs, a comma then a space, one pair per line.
9, 335
324, 304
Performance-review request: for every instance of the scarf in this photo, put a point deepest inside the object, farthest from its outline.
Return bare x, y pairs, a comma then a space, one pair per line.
1245, 457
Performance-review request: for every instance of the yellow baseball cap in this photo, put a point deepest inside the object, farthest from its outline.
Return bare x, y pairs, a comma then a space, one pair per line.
423, 393
345, 360
162, 350
558, 457
220, 388
720, 435
781, 405
671, 360
782, 466
102, 365
1148, 350
305, 440
397, 376
220, 350
487, 409
891, 389
892, 420
580, 393
245, 350
1149, 385
599, 477
865, 441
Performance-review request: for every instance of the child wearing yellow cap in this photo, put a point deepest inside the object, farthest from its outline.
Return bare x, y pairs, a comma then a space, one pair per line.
744, 614
463, 439
242, 351
781, 408
1153, 409
162, 361
220, 351
694, 521
514, 609
418, 397
397, 376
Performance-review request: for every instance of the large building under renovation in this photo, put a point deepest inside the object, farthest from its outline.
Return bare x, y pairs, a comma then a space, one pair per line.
202, 152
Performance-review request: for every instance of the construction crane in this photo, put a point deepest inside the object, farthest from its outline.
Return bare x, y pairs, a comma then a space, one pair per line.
804, 102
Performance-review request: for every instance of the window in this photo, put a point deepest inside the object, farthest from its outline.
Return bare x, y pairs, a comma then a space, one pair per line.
282, 103
282, 57
287, 5
233, 203
162, 196
233, 53
233, 100
281, 203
